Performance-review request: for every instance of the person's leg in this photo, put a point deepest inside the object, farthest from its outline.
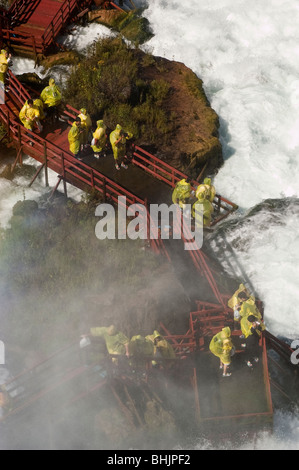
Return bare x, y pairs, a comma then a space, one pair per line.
225, 371
250, 350
116, 163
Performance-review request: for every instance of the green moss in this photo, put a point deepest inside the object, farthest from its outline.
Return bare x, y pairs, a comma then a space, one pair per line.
194, 85
131, 25
135, 28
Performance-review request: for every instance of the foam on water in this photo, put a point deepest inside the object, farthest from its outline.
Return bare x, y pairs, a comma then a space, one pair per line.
79, 37
247, 58
17, 190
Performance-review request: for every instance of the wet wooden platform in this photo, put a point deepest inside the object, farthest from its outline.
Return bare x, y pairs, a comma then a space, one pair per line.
228, 403
40, 18
32, 27
133, 179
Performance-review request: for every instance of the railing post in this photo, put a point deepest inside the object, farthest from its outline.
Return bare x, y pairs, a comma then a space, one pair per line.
104, 190
92, 178
19, 135
8, 125
34, 49
46, 164
148, 225
63, 174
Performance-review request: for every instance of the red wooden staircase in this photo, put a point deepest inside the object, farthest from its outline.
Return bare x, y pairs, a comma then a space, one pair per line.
31, 27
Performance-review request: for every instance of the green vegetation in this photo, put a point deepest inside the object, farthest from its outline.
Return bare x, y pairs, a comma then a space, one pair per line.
109, 83
52, 264
194, 85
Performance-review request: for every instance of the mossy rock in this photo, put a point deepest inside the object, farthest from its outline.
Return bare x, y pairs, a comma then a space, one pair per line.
33, 80
61, 58
25, 208
7, 173
135, 28
131, 25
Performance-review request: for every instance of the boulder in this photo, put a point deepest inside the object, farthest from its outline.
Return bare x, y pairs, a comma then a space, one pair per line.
25, 208
7, 173
61, 58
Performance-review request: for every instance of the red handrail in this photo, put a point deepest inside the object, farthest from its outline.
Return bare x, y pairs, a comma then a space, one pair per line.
60, 19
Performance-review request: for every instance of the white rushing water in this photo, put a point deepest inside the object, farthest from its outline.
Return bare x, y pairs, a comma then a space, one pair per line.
247, 56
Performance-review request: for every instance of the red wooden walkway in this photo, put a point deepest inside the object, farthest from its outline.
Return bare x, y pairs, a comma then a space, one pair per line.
151, 178
32, 26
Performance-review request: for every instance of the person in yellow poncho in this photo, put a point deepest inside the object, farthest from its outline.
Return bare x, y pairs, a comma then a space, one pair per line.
234, 301
251, 328
202, 208
221, 346
99, 140
4, 61
85, 125
74, 138
162, 348
51, 97
29, 115
140, 349
182, 192
243, 304
39, 105
206, 189
118, 139
116, 342
248, 306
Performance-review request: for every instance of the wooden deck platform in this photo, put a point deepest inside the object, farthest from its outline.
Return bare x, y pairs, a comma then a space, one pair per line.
32, 26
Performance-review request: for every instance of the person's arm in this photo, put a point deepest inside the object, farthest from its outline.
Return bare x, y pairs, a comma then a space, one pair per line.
127, 349
98, 331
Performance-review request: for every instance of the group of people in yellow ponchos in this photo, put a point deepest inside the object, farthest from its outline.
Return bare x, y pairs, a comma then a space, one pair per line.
139, 348
79, 136
35, 111
246, 312
48, 103
204, 195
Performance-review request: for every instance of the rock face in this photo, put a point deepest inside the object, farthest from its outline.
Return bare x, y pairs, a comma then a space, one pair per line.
195, 140
195, 144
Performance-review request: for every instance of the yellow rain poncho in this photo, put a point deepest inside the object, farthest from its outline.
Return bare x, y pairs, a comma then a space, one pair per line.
39, 105
234, 300
161, 346
115, 340
206, 190
118, 142
74, 138
205, 207
249, 308
221, 345
85, 125
246, 327
29, 115
140, 346
51, 95
100, 137
3, 65
181, 192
